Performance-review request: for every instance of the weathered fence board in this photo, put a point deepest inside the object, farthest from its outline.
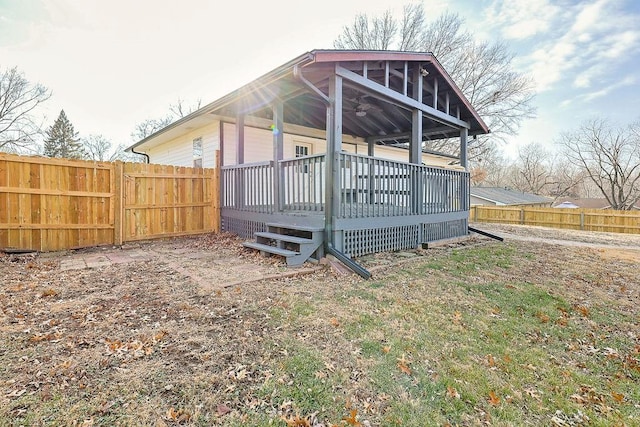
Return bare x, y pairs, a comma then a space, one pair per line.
53, 204
575, 219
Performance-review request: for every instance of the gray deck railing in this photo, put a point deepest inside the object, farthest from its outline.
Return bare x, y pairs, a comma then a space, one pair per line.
373, 187
369, 187
248, 187
303, 183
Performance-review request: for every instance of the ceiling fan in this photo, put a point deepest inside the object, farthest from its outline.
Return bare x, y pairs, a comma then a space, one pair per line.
361, 106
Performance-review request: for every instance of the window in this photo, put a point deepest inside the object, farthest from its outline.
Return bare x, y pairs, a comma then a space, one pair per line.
197, 153
302, 150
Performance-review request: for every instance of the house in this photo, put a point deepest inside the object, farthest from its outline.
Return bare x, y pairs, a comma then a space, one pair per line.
328, 152
500, 196
566, 205
585, 203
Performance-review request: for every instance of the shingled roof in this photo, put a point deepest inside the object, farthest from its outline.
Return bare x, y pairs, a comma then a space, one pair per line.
507, 196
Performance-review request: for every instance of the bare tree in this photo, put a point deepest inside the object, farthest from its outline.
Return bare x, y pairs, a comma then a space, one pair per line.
494, 166
149, 127
97, 147
483, 71
377, 33
566, 179
176, 111
533, 171
610, 157
18, 99
181, 109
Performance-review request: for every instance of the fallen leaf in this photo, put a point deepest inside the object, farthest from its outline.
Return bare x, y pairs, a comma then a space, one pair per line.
583, 310
179, 416
222, 410
452, 392
334, 322
493, 398
49, 293
618, 397
457, 317
386, 349
352, 418
160, 335
542, 317
403, 365
491, 361
577, 398
404, 368
296, 421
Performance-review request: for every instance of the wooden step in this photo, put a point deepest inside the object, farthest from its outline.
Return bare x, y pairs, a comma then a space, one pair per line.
309, 228
270, 249
284, 238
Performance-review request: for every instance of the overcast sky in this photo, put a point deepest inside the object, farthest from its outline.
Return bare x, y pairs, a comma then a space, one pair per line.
114, 63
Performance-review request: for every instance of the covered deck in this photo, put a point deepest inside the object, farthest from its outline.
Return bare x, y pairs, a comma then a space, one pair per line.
338, 150
381, 204
362, 203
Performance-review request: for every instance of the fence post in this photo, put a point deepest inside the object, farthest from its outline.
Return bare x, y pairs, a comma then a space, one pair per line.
581, 220
217, 194
522, 216
118, 197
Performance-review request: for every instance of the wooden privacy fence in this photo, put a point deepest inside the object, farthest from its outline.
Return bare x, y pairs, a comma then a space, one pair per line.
54, 204
575, 219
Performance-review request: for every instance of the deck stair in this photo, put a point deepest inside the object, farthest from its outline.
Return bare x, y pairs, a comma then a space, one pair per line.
297, 243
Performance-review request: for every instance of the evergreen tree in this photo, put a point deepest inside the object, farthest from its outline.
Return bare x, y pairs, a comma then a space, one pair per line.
62, 140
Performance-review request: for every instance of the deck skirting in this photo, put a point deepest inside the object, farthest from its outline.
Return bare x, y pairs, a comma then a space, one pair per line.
359, 236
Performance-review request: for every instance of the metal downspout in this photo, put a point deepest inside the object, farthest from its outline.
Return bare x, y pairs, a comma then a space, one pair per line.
146, 156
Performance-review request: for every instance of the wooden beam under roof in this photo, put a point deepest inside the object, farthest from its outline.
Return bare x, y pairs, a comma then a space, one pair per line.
392, 95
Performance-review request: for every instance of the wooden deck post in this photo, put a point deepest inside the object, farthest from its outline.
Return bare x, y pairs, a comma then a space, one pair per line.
239, 139
464, 136
278, 154
240, 182
415, 146
334, 146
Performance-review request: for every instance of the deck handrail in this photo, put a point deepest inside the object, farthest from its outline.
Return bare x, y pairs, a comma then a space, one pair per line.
369, 187
303, 183
375, 187
245, 165
249, 187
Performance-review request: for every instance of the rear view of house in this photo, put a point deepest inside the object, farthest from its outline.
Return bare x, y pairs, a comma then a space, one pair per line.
330, 150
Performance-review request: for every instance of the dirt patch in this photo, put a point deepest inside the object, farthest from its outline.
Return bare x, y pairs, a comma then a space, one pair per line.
561, 236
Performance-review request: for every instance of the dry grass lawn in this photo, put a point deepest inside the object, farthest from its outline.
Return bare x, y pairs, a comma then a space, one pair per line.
483, 333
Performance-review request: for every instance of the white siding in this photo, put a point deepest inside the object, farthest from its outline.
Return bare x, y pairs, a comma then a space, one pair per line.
258, 144
259, 147
179, 151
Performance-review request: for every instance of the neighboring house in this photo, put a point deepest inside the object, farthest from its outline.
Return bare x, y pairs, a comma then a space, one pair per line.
566, 205
329, 147
585, 203
500, 196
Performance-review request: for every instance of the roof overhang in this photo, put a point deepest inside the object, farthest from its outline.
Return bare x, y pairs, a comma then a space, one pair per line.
372, 85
